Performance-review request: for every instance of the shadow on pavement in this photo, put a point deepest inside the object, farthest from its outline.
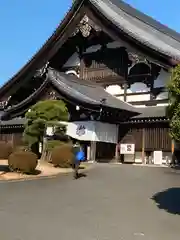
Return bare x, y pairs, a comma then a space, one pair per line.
176, 167
4, 168
168, 200
82, 175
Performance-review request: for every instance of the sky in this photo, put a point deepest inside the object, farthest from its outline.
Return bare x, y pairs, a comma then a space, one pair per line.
26, 24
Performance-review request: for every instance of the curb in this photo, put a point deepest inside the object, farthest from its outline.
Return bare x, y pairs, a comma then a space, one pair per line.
149, 165
139, 164
27, 179
42, 177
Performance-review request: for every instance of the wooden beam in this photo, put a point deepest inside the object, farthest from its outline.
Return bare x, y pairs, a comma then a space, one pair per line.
150, 103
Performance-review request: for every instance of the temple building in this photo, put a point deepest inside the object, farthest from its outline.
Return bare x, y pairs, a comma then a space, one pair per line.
110, 63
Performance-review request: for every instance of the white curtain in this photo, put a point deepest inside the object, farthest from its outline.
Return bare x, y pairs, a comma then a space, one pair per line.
93, 131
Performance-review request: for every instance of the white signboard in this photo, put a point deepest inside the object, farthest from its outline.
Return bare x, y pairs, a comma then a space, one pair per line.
157, 157
127, 148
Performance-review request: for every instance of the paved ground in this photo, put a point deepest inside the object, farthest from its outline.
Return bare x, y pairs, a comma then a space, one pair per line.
114, 202
43, 169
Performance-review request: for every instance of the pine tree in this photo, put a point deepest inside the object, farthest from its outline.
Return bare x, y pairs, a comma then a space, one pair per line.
43, 114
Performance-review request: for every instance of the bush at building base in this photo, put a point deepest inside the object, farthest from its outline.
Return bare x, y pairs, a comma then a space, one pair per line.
23, 161
5, 150
62, 156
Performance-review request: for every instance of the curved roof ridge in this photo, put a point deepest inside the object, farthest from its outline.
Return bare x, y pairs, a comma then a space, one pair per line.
138, 30
26, 100
47, 44
129, 9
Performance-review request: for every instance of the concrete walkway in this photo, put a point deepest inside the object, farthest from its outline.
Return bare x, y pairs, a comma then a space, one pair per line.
114, 202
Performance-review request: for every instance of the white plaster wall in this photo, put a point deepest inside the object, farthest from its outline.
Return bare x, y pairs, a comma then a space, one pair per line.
162, 79
121, 98
93, 48
140, 106
135, 88
73, 61
138, 87
162, 104
138, 98
114, 89
115, 44
162, 95
109, 45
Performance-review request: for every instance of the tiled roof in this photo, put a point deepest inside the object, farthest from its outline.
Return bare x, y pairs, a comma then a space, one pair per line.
152, 112
87, 92
141, 27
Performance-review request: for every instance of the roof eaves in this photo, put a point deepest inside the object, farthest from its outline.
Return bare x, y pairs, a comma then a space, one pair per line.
147, 19
45, 47
146, 35
87, 92
25, 101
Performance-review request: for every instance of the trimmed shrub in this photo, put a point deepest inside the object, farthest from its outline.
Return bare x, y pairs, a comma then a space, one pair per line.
51, 144
23, 161
5, 150
62, 156
21, 148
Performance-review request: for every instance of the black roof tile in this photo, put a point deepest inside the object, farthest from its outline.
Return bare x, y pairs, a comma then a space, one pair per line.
87, 92
140, 27
152, 112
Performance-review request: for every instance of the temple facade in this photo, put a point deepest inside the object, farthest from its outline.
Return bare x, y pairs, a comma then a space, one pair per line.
110, 63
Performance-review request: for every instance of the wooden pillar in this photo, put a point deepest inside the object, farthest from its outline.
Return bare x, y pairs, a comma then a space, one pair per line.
151, 91
143, 145
93, 151
117, 151
125, 91
116, 155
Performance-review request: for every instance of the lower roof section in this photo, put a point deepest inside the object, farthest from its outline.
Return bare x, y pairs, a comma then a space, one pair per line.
155, 113
151, 112
13, 123
87, 92
77, 91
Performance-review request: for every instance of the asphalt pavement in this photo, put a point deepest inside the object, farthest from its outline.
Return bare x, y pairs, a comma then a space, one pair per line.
113, 202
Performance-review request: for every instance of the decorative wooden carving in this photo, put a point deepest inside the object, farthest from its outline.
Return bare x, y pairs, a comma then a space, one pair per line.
105, 64
85, 26
136, 58
53, 95
4, 103
50, 94
40, 72
148, 73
